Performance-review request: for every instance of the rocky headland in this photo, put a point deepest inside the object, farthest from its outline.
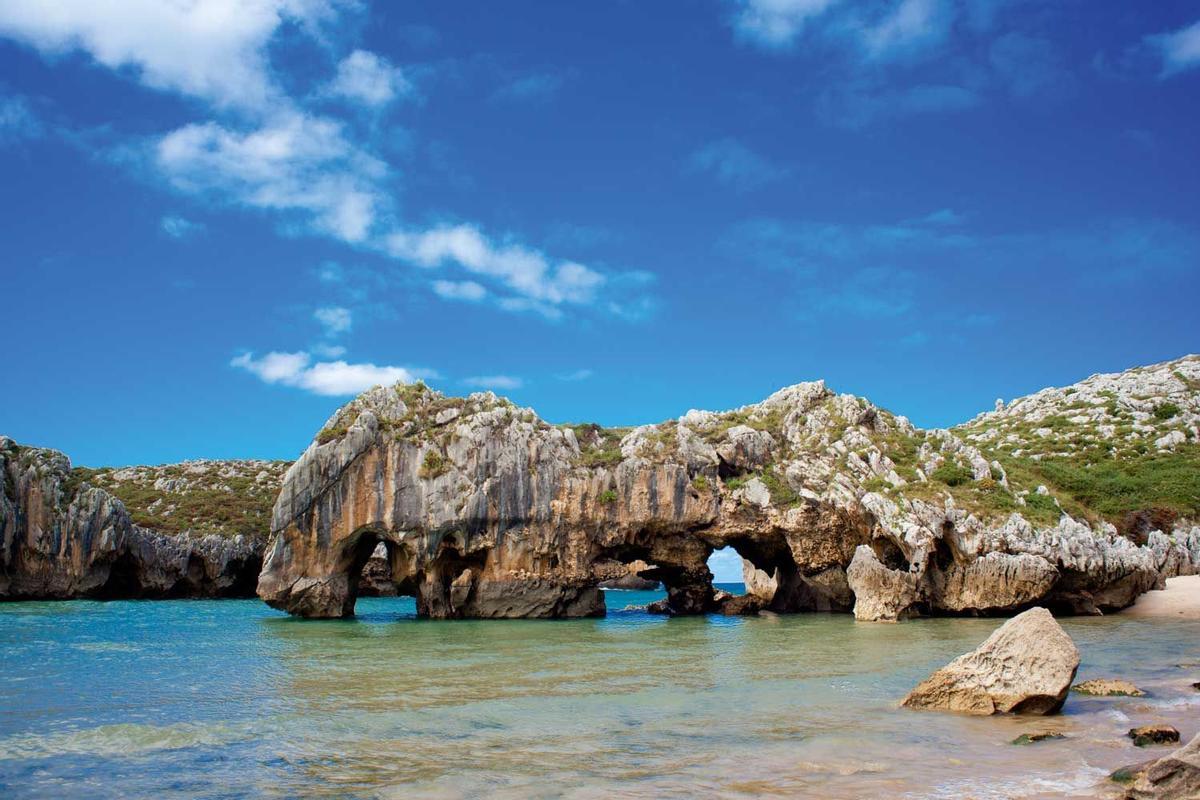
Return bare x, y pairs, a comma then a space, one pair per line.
196, 529
1077, 499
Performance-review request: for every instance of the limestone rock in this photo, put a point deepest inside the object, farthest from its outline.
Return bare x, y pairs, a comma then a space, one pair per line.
1172, 777
1108, 687
880, 594
1025, 667
63, 538
1153, 734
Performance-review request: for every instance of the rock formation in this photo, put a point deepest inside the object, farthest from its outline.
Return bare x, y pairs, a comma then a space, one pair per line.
1172, 777
485, 510
1025, 667
61, 537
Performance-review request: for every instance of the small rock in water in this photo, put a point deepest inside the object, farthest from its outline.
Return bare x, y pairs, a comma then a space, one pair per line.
1030, 738
1130, 773
1196, 686
1153, 734
1103, 687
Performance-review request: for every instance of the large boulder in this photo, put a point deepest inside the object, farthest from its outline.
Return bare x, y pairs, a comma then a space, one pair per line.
1025, 667
1172, 777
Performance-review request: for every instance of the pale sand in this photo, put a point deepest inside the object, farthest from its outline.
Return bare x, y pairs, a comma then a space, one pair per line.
1180, 600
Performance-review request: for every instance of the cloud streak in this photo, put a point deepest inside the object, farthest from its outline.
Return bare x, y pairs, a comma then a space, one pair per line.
325, 378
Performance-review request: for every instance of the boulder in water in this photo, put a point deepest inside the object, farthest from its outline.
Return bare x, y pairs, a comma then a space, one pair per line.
1025, 667
1173, 777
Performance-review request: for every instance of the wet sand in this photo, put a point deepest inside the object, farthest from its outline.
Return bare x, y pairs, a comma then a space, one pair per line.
1180, 600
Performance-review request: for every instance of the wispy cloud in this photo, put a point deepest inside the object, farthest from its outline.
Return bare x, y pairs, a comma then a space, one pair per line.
335, 320
576, 375
538, 282
17, 120
179, 227
734, 165
776, 23
858, 104
1180, 49
327, 378
467, 291
503, 382
370, 79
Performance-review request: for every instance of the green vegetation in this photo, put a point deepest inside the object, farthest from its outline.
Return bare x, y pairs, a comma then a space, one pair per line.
326, 435
952, 474
782, 494
227, 506
434, 465
700, 483
607, 497
1166, 410
598, 447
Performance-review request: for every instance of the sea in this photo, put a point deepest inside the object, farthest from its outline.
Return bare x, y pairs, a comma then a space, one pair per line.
231, 699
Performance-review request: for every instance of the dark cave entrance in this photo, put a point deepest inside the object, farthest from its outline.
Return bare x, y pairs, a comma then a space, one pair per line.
379, 568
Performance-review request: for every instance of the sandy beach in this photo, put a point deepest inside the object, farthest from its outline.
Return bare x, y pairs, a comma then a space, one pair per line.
1181, 600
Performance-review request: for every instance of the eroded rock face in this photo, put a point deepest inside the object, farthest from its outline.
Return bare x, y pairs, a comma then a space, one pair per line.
61, 538
1025, 667
485, 510
1173, 777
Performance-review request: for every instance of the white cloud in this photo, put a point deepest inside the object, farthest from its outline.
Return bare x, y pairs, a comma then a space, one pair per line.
1180, 49
502, 382
369, 79
295, 163
327, 378
526, 271
468, 291
180, 228
776, 23
334, 319
577, 375
212, 49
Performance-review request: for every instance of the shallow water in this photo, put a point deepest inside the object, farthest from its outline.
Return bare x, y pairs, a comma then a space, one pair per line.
226, 699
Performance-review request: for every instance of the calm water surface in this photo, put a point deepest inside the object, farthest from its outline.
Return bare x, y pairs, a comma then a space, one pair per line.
230, 699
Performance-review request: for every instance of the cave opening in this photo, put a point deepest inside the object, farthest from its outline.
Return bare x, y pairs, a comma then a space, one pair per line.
725, 564
377, 570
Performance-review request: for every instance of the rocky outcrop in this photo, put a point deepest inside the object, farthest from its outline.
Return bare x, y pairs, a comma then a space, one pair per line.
1025, 667
485, 510
63, 538
1172, 777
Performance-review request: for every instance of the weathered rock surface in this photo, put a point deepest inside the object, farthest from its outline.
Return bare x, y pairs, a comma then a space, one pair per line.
485, 510
1153, 734
1172, 777
62, 538
1025, 667
1108, 687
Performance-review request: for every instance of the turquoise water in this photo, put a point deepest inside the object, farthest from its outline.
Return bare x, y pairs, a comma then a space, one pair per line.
229, 699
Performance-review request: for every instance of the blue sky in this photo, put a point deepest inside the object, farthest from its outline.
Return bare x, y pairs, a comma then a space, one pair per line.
218, 221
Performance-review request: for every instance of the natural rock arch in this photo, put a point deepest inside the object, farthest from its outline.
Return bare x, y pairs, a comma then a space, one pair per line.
488, 511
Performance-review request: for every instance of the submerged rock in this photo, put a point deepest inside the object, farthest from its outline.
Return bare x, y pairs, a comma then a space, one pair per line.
1025, 667
1108, 687
1153, 734
1172, 777
1031, 738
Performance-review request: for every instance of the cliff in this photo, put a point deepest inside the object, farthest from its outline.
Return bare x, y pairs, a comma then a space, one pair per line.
1078, 498
66, 533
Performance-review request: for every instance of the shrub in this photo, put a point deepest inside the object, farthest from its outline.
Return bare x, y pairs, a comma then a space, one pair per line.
327, 435
433, 465
1166, 410
952, 474
701, 483
608, 496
